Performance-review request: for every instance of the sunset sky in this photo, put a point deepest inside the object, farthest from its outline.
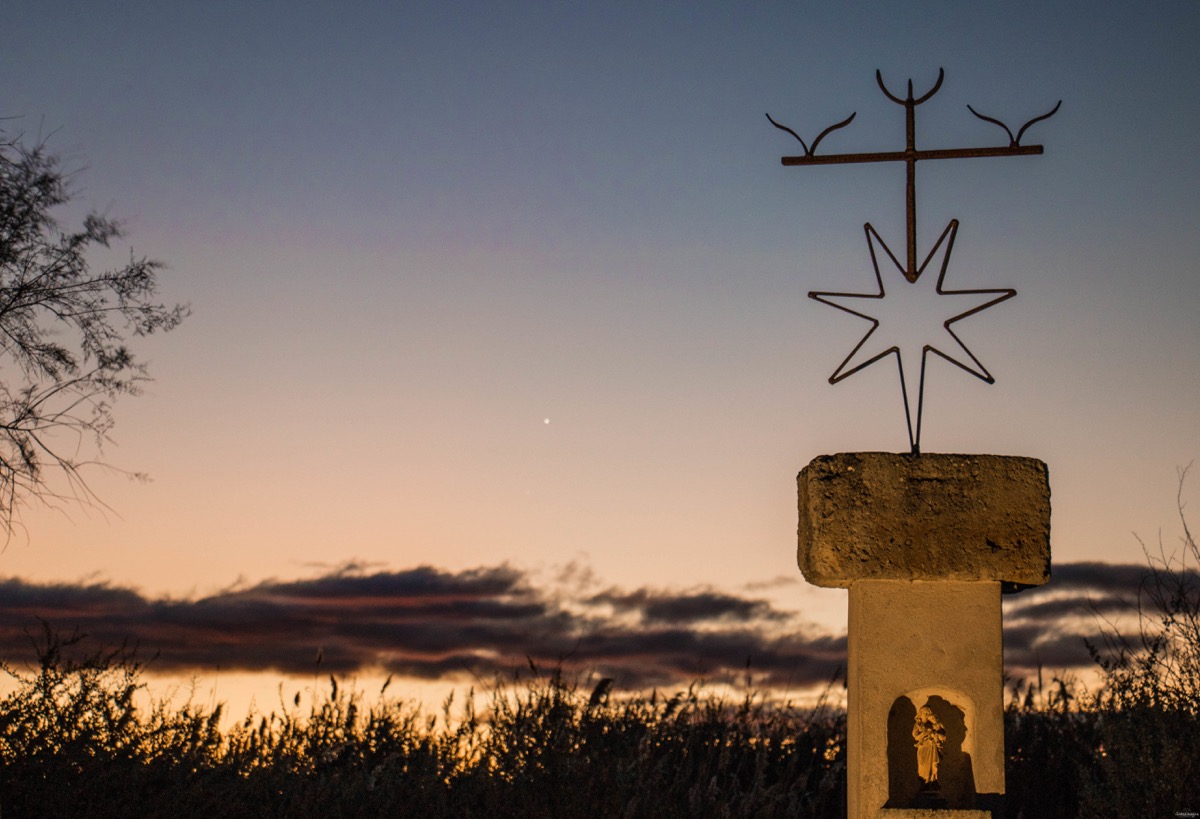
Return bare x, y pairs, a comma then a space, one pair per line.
500, 337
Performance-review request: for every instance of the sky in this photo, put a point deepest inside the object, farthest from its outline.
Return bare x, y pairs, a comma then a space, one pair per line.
500, 340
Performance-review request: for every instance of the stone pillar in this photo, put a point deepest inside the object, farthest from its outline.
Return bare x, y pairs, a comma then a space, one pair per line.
925, 544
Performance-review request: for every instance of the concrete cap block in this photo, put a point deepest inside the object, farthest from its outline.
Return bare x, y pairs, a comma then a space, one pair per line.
887, 516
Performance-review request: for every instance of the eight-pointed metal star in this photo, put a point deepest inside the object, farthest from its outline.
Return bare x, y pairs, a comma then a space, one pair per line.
910, 317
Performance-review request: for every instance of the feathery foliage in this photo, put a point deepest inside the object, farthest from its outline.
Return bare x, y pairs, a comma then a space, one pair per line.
63, 332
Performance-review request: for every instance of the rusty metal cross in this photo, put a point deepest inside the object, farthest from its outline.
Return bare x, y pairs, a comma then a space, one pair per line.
910, 155
861, 356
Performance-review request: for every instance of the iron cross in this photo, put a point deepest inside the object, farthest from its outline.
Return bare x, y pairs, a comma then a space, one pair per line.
863, 355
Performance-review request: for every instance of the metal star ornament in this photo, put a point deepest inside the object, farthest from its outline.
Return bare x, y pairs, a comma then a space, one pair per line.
915, 319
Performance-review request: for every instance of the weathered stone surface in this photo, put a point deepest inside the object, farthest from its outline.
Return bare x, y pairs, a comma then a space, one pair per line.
915, 640
880, 515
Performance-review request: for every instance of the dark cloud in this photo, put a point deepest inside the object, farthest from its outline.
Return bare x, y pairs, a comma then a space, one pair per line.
433, 624
687, 607
1121, 577
1050, 626
430, 624
1028, 648
1060, 607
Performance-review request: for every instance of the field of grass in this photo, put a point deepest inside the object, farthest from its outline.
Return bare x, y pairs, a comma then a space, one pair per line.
74, 742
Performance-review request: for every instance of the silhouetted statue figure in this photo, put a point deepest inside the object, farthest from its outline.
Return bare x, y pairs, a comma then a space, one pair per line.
930, 736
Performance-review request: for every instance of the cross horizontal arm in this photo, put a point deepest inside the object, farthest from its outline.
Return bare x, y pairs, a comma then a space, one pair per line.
903, 156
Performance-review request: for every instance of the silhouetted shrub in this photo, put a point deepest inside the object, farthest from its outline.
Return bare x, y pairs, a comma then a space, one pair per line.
1148, 710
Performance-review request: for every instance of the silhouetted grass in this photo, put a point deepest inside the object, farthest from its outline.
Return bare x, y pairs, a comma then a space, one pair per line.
74, 742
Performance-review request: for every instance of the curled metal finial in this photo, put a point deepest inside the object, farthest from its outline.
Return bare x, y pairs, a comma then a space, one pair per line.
807, 150
1015, 141
909, 98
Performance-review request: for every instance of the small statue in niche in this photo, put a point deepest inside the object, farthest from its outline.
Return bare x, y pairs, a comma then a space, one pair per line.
929, 736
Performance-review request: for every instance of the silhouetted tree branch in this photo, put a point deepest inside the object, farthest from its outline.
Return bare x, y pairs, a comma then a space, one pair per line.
63, 331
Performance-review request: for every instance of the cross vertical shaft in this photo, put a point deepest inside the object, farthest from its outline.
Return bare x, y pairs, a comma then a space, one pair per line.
910, 157
910, 165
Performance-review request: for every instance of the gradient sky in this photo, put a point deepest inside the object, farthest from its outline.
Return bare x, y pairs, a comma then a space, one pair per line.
477, 284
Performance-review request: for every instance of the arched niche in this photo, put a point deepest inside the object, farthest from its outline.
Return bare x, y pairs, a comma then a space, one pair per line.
955, 783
